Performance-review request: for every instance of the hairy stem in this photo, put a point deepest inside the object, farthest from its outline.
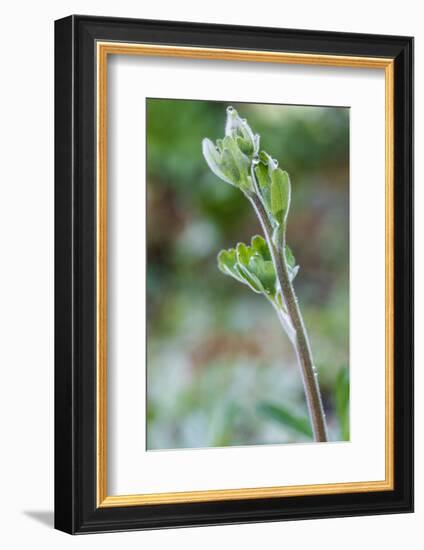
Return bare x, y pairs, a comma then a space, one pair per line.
300, 340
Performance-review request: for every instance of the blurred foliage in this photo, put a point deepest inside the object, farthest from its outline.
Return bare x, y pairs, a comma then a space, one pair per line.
283, 416
219, 367
342, 401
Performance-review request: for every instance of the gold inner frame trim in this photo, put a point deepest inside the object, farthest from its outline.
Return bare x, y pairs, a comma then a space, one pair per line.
103, 50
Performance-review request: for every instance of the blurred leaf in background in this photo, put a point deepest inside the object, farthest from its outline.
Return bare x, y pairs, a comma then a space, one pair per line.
215, 353
341, 393
280, 414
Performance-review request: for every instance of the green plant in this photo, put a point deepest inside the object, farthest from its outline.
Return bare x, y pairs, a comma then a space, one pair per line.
267, 265
341, 398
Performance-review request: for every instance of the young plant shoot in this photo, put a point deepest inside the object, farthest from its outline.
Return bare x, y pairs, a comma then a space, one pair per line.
267, 264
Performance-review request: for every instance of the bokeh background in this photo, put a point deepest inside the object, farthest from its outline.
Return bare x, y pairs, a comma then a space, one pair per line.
220, 369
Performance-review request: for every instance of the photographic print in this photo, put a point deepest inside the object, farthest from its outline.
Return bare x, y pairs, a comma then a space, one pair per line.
247, 274
233, 343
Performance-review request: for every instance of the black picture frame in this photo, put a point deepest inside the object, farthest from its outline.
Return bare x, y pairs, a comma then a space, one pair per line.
76, 509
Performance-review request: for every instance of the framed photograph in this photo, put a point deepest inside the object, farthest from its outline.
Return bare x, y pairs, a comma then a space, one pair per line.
234, 269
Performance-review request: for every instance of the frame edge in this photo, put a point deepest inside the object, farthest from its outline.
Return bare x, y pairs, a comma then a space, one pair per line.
64, 448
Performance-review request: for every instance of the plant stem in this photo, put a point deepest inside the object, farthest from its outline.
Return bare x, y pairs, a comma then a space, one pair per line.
300, 341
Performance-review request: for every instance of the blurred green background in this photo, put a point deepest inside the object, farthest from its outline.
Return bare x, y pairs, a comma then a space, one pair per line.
220, 369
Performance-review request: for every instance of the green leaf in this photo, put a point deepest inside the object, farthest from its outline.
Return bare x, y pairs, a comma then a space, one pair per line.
250, 279
280, 195
214, 160
283, 416
264, 157
264, 182
251, 265
290, 257
291, 263
237, 160
271, 163
230, 159
261, 172
229, 167
264, 271
238, 128
245, 145
227, 161
341, 395
244, 253
261, 247
228, 264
